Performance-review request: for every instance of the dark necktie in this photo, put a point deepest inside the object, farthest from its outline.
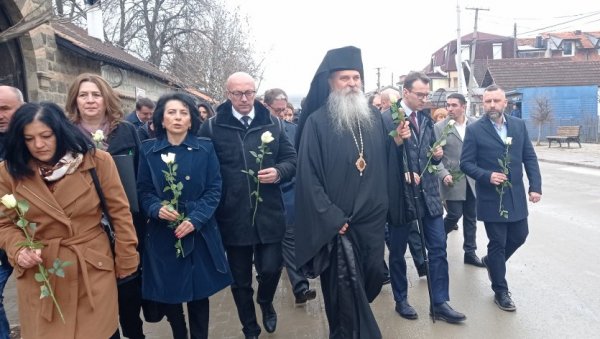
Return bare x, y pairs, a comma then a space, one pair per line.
245, 121
413, 121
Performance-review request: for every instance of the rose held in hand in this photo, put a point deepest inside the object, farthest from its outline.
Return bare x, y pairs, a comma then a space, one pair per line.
9, 201
266, 137
263, 150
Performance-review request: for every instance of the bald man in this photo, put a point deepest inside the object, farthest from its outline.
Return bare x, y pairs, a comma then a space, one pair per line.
251, 233
11, 99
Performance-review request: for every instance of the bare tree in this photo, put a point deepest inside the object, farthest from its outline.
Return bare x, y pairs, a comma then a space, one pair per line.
224, 48
542, 114
199, 41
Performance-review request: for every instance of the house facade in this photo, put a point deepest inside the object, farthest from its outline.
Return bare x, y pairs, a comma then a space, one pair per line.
44, 61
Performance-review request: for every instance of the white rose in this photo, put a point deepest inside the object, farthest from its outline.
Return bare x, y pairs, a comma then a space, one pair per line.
9, 201
266, 137
98, 136
168, 158
451, 122
393, 98
509, 141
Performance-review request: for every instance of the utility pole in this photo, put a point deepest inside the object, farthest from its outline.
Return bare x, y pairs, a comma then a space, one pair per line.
474, 41
459, 68
472, 58
378, 78
516, 46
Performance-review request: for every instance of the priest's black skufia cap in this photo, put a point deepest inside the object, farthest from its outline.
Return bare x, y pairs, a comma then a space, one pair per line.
339, 59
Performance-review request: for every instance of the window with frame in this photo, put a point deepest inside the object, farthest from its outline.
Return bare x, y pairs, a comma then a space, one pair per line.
568, 48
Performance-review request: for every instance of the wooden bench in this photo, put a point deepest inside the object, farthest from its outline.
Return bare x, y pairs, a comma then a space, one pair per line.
566, 134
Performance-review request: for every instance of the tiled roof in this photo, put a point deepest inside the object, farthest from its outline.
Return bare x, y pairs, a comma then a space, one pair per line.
79, 41
580, 36
519, 73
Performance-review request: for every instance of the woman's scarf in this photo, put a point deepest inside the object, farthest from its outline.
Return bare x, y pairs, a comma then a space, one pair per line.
66, 165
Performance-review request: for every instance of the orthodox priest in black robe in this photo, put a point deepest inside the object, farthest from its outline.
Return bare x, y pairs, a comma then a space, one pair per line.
341, 194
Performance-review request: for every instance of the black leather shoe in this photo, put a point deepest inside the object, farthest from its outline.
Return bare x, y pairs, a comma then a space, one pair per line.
445, 312
422, 270
251, 337
451, 228
484, 262
306, 295
504, 301
473, 259
406, 311
269, 317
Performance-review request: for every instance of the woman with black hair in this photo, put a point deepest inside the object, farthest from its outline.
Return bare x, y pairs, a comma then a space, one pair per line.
206, 112
49, 166
197, 269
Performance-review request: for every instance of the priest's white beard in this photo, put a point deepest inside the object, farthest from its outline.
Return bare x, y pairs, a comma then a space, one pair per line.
349, 107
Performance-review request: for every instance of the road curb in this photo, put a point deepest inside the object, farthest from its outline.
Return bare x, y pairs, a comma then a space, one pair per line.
569, 163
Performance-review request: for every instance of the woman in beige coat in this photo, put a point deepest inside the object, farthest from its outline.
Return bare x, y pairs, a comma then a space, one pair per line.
49, 165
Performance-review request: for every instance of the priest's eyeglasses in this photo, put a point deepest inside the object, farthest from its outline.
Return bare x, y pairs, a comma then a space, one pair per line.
238, 95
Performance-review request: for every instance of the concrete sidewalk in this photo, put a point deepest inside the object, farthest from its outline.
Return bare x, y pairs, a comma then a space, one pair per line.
586, 156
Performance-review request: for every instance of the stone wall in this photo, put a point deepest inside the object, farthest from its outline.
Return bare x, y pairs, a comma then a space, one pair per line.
51, 69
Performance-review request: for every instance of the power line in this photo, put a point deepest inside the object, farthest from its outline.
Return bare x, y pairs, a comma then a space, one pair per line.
560, 23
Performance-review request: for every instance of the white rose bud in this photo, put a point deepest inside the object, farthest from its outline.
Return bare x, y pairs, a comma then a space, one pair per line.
266, 137
509, 141
168, 158
98, 136
9, 201
393, 98
451, 122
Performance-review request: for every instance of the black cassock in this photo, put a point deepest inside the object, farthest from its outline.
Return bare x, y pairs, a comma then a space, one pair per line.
329, 193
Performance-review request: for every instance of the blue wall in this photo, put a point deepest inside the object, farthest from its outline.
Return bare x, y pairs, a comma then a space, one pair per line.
571, 105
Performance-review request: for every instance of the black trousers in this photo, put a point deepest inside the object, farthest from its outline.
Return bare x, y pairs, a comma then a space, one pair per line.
466, 209
504, 239
297, 279
198, 316
269, 263
130, 305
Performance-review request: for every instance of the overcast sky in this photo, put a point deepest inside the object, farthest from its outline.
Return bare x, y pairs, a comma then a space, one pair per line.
398, 36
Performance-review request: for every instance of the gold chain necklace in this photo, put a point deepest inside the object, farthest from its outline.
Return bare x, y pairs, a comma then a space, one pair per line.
360, 163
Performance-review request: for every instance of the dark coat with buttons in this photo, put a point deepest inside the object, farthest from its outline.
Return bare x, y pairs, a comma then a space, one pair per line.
417, 147
481, 150
203, 270
233, 144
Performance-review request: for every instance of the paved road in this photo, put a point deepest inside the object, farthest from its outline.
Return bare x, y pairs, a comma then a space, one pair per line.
554, 280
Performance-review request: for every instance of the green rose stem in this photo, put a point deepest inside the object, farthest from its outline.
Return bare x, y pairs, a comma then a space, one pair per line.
263, 149
42, 275
176, 188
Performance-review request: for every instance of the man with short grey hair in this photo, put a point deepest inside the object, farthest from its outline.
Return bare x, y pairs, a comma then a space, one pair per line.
11, 99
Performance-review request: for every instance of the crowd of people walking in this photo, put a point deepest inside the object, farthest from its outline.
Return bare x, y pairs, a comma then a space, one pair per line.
108, 217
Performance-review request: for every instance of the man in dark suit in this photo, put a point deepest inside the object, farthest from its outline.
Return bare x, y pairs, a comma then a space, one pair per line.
276, 101
458, 192
494, 137
251, 238
144, 108
418, 145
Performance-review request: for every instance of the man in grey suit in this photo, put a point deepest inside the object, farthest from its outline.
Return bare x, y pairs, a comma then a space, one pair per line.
458, 191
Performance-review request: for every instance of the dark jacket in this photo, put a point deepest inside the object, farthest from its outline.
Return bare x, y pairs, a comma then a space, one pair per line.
402, 209
203, 270
124, 141
288, 188
417, 147
482, 148
233, 144
133, 118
